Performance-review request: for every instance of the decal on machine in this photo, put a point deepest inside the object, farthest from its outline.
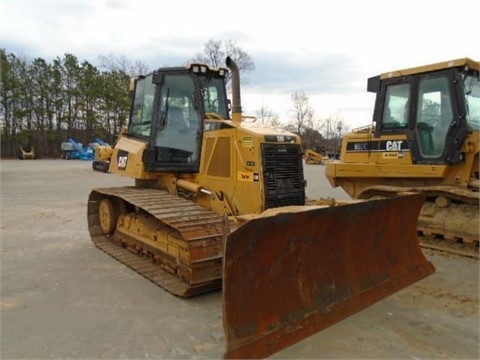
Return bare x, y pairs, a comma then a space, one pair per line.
393, 149
394, 145
248, 176
383, 146
247, 141
122, 159
393, 155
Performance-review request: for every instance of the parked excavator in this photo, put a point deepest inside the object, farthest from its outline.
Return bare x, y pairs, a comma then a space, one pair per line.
219, 202
424, 138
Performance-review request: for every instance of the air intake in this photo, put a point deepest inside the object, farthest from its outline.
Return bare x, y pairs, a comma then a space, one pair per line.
283, 175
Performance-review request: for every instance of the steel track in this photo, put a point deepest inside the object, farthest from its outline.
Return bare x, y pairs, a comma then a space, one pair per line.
198, 227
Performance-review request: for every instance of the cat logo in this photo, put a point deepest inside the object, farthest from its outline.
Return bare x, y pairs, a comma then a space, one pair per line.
122, 159
394, 145
122, 162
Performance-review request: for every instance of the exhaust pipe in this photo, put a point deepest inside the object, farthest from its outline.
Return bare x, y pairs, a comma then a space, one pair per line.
236, 102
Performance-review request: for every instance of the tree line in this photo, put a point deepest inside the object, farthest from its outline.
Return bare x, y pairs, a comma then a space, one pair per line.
45, 103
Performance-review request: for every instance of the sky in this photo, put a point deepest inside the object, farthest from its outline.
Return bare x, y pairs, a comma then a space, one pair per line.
324, 49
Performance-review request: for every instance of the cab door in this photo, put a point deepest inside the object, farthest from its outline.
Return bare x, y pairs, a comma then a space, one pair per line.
436, 128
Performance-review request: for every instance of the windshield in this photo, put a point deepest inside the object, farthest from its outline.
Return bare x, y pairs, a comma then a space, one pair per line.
472, 96
142, 111
178, 134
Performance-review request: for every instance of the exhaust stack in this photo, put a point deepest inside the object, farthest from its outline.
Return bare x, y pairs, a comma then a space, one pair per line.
236, 102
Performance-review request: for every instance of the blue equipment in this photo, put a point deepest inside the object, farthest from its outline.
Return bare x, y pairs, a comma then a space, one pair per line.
76, 151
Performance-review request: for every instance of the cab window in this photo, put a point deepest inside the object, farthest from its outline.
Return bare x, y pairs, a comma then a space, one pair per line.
142, 111
434, 115
395, 111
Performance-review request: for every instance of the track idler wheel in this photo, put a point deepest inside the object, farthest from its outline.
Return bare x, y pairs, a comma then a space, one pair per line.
108, 216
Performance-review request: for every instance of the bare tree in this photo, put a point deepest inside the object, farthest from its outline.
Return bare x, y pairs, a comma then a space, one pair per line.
122, 64
312, 136
332, 129
215, 53
332, 126
266, 116
302, 113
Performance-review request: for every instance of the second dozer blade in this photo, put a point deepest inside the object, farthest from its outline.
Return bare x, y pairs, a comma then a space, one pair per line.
293, 274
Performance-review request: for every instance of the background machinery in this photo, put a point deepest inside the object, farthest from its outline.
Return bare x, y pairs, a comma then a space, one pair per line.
425, 138
219, 202
26, 152
74, 150
315, 157
102, 154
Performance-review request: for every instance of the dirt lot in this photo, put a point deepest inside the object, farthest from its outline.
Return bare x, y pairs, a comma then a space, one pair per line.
63, 298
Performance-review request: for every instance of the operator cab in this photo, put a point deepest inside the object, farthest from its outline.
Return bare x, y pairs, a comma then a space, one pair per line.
435, 107
168, 110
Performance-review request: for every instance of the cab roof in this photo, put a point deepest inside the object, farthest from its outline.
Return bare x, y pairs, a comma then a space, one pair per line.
472, 64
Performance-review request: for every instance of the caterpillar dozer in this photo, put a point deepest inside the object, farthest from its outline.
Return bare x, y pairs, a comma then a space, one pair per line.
219, 203
102, 154
315, 157
26, 152
424, 138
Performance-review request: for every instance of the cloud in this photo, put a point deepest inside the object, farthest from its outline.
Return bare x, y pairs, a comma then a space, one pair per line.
327, 50
281, 72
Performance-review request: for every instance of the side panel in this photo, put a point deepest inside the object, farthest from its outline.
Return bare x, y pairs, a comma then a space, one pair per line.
388, 149
126, 159
249, 171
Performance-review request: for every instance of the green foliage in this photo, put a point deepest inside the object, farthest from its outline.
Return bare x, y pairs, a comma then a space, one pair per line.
64, 95
51, 135
25, 136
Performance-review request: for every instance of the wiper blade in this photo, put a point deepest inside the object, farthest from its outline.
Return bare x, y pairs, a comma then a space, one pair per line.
163, 118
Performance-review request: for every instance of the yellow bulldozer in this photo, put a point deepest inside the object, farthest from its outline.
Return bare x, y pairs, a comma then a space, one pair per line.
26, 152
102, 156
424, 138
315, 157
219, 203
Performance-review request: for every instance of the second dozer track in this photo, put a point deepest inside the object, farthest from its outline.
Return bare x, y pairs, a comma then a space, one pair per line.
173, 242
449, 219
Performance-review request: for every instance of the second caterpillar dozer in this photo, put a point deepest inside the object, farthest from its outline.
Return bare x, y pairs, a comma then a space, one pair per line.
315, 157
425, 137
219, 203
26, 152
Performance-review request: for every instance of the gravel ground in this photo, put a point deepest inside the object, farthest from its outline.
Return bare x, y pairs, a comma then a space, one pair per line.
61, 298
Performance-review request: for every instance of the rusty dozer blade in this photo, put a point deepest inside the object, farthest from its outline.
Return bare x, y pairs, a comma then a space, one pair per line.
293, 274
